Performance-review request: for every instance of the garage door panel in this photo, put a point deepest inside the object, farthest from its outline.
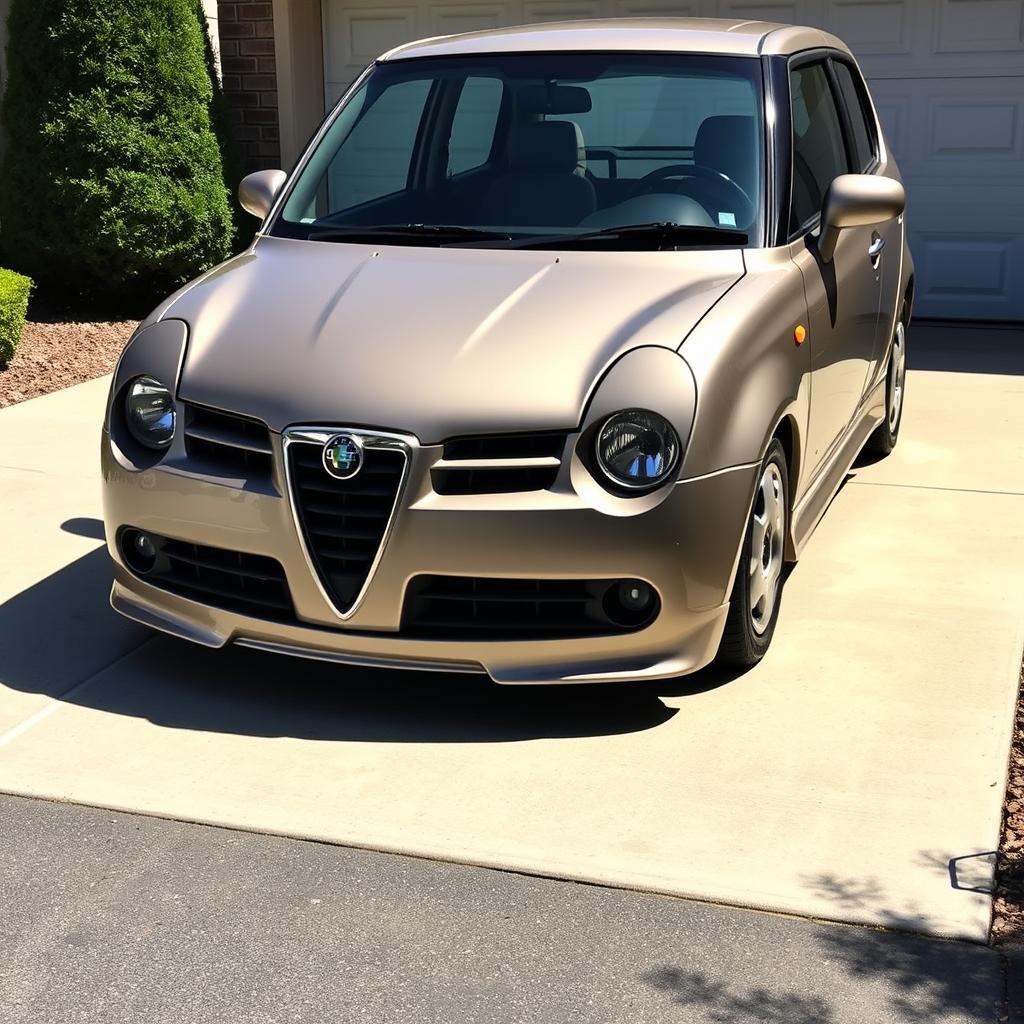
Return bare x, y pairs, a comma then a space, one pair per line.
986, 127
955, 130
767, 11
966, 265
355, 33
973, 26
453, 18
923, 38
369, 31
872, 26
561, 10
968, 276
659, 9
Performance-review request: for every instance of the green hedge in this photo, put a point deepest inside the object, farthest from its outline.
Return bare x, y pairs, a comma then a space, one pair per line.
220, 121
112, 185
14, 290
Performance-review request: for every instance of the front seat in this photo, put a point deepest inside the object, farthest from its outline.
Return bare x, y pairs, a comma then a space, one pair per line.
544, 185
728, 143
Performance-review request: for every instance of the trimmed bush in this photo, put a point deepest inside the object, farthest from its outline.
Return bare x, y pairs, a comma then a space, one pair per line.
14, 289
231, 161
112, 185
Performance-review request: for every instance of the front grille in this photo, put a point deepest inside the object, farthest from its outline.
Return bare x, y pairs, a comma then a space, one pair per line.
498, 464
233, 580
344, 522
482, 608
227, 445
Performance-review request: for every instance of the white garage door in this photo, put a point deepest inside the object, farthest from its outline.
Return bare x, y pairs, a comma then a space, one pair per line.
947, 76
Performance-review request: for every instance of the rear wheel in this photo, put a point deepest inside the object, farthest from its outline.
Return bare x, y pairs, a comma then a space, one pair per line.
754, 605
884, 439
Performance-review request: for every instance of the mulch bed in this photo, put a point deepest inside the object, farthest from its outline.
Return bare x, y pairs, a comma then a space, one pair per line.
1008, 912
56, 352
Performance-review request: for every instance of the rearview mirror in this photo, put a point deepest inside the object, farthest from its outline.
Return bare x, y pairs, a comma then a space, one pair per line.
257, 191
854, 200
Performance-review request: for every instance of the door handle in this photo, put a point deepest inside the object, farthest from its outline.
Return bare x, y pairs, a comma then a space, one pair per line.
875, 249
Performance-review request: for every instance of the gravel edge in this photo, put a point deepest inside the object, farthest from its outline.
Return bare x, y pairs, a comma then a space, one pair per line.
1008, 904
56, 353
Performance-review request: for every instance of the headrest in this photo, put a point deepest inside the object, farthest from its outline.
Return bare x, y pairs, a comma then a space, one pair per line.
551, 147
728, 143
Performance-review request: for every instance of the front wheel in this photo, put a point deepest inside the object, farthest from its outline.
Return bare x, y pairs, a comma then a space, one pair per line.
754, 605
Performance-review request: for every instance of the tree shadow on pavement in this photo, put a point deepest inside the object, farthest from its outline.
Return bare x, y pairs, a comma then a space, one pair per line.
726, 1002
917, 978
929, 978
60, 638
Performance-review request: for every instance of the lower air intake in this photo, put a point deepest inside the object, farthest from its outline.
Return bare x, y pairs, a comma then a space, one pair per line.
482, 608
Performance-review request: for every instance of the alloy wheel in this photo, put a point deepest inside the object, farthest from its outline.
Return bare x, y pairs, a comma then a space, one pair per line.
897, 375
766, 545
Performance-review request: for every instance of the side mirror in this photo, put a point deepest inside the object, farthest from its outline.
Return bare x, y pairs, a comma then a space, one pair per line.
257, 192
854, 200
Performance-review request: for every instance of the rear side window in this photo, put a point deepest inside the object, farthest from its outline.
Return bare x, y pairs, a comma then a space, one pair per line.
819, 155
853, 97
474, 124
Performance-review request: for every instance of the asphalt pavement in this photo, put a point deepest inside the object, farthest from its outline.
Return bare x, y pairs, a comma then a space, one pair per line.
111, 917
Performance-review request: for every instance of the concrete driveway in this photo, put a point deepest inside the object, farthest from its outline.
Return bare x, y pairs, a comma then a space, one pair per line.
856, 775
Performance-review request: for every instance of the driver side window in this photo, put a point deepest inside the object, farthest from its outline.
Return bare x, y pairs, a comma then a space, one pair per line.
819, 154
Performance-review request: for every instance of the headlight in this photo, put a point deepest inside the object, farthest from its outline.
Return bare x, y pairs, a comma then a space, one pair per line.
149, 410
637, 450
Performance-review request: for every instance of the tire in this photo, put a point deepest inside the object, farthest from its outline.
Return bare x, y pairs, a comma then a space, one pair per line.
884, 439
757, 590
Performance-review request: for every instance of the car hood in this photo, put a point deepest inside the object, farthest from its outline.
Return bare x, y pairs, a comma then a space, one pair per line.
435, 342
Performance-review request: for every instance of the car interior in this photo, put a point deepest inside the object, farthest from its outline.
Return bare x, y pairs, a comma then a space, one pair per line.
515, 156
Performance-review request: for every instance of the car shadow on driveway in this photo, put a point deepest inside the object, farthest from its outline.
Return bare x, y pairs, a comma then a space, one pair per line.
61, 639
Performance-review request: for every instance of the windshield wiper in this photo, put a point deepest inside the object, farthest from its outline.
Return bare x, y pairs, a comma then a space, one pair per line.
423, 234
659, 233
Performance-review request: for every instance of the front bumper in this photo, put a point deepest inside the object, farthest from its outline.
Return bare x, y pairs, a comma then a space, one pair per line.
686, 547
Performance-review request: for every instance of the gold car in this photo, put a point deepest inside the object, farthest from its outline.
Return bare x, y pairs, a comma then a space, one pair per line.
545, 361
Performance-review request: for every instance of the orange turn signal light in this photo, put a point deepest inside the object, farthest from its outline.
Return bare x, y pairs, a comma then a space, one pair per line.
799, 334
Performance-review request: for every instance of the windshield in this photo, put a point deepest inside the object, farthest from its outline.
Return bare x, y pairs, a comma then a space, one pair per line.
488, 150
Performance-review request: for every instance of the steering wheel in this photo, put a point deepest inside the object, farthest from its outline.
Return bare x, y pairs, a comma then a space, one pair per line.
646, 183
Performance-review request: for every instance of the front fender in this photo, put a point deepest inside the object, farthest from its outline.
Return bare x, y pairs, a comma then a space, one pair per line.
751, 374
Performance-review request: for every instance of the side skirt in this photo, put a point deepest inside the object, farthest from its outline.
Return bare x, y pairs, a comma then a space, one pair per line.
812, 506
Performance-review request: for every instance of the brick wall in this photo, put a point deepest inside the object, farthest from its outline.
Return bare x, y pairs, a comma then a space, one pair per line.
249, 70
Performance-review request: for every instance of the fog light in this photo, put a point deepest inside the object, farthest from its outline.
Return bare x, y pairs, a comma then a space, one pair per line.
634, 595
630, 603
139, 551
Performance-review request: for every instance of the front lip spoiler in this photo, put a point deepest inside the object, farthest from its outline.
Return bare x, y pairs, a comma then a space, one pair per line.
123, 603
360, 660
660, 665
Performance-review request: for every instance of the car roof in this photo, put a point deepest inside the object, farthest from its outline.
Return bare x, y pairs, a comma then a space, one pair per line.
658, 35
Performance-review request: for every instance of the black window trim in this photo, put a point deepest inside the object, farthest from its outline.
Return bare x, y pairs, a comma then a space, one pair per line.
824, 56
860, 88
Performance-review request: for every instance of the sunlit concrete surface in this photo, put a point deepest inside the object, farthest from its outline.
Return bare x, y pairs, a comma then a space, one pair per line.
857, 774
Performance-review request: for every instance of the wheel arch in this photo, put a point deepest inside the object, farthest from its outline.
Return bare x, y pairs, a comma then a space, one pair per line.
787, 433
